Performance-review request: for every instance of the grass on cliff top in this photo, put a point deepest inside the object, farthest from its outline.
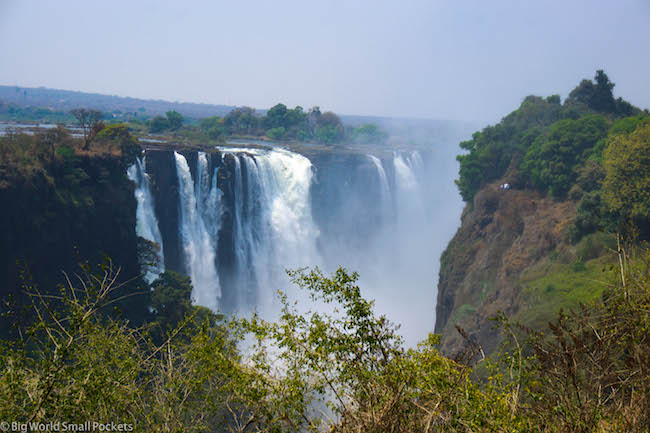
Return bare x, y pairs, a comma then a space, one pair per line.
566, 282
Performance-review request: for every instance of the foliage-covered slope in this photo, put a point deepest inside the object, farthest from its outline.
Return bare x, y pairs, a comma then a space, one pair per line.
573, 170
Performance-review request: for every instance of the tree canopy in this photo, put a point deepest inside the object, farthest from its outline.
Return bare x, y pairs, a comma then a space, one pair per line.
283, 123
172, 121
546, 140
553, 159
626, 188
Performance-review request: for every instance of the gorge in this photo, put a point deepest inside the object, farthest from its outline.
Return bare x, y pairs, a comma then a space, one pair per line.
234, 218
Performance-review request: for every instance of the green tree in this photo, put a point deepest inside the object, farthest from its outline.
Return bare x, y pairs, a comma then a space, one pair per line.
213, 127
625, 109
241, 120
553, 160
175, 120
582, 94
554, 99
627, 125
275, 117
368, 133
598, 95
209, 122
159, 124
51, 138
329, 128
276, 133
492, 150
328, 134
626, 188
603, 96
295, 117
589, 216
171, 298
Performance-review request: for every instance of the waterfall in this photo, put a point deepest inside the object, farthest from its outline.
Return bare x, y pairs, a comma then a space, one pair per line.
410, 199
244, 243
199, 205
273, 229
389, 219
384, 189
146, 221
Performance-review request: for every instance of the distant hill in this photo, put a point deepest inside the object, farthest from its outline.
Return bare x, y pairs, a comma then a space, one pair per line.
65, 100
41, 104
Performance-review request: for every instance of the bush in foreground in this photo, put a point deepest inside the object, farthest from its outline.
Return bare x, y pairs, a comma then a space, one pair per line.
346, 370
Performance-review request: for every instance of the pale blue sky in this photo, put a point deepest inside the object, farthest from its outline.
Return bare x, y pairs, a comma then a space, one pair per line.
466, 60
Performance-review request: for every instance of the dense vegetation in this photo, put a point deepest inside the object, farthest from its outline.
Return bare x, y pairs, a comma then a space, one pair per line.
282, 123
279, 123
347, 371
172, 121
15, 113
582, 149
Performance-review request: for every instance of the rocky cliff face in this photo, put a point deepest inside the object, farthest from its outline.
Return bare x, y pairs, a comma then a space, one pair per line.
503, 234
77, 210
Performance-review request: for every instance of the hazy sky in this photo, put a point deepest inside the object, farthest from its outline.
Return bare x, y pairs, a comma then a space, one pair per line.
467, 60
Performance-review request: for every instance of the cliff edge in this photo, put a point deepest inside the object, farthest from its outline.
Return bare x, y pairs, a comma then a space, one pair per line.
503, 233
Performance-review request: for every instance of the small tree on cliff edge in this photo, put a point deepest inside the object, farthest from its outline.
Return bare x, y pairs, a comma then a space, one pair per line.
90, 122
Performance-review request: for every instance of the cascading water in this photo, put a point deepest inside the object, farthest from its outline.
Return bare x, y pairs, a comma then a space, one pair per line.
274, 229
146, 221
410, 199
199, 205
397, 260
384, 188
271, 210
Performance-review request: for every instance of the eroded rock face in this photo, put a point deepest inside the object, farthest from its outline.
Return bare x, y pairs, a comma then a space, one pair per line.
161, 169
503, 233
53, 220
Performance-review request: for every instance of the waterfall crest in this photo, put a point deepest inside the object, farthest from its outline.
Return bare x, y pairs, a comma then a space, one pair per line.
274, 229
199, 205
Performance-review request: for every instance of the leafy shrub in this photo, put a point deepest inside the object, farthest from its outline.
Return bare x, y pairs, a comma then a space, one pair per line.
66, 152
591, 372
78, 363
328, 134
276, 133
589, 217
158, 124
130, 148
368, 133
579, 266
626, 188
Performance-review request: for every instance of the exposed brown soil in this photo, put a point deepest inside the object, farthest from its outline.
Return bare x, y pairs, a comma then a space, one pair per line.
503, 233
